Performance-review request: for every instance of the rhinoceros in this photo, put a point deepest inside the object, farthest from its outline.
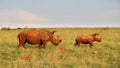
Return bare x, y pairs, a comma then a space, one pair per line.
87, 39
40, 37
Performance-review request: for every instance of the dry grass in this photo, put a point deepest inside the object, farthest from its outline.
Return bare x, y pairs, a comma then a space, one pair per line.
103, 55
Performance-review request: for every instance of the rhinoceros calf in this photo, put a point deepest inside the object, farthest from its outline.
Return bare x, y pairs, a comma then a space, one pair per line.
89, 39
37, 37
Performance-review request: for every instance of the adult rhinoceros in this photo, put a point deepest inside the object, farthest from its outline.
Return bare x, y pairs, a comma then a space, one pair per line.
37, 37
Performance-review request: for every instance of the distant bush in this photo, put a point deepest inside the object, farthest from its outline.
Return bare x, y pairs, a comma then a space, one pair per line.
106, 28
19, 28
33, 28
5, 28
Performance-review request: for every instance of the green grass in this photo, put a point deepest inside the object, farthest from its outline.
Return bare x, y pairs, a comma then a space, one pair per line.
107, 55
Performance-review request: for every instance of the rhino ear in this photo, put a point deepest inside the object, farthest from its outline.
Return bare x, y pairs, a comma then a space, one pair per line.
53, 32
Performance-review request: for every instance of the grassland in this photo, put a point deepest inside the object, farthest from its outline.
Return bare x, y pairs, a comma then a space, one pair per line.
105, 54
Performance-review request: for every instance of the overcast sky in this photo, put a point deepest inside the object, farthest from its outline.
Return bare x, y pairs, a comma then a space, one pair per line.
59, 13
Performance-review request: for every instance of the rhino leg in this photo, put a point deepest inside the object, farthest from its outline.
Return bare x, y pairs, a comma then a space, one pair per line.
76, 43
20, 45
39, 46
24, 46
91, 44
22, 42
45, 43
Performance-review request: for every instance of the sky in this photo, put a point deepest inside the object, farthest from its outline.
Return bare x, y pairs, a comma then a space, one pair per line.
59, 13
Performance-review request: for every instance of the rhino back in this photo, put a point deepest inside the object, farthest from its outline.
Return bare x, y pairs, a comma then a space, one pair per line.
44, 35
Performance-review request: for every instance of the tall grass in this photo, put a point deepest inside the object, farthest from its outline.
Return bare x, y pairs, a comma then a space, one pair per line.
107, 55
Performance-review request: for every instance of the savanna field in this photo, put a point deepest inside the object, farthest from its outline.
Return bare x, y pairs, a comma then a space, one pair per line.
104, 54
